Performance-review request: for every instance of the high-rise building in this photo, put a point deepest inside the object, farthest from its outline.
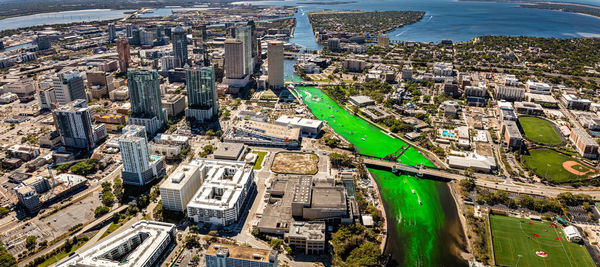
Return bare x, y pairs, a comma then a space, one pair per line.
244, 34
253, 39
46, 98
234, 59
147, 37
112, 32
202, 94
43, 42
179, 40
139, 168
68, 86
275, 67
100, 83
383, 40
135, 37
199, 37
146, 106
74, 125
124, 56
129, 29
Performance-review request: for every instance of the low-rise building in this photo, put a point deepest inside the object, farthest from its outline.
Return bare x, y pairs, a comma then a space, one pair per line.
586, 145
259, 133
547, 101
174, 104
573, 102
473, 161
361, 100
307, 126
308, 237
221, 197
177, 191
512, 134
529, 108
230, 151
538, 88
227, 255
510, 93
23, 152
143, 244
572, 234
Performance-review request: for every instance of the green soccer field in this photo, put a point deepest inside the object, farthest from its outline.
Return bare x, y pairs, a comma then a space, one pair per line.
540, 131
515, 236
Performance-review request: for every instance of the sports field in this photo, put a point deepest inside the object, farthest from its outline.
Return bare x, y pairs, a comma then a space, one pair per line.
555, 166
540, 131
516, 236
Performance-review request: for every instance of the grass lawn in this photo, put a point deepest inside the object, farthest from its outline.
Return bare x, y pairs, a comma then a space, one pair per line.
61, 255
540, 131
548, 162
259, 160
514, 237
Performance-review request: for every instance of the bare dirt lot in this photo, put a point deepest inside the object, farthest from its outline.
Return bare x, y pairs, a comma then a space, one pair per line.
295, 163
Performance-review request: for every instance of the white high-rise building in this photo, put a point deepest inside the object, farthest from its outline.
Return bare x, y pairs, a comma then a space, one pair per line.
68, 86
139, 168
275, 71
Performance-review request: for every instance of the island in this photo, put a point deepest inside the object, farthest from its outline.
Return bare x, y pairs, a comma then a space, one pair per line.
583, 9
363, 21
326, 3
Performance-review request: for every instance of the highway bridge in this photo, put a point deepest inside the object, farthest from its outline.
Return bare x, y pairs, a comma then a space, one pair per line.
418, 171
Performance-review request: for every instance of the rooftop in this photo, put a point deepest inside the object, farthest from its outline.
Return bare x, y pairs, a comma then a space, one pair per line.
117, 250
243, 253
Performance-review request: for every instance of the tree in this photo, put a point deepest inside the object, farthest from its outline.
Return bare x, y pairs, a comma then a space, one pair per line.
3, 211
108, 199
6, 259
467, 184
276, 243
367, 254
340, 160
208, 149
101, 210
31, 242
332, 142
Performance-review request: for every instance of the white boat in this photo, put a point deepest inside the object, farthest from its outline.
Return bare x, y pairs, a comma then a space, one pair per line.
363, 139
413, 191
420, 203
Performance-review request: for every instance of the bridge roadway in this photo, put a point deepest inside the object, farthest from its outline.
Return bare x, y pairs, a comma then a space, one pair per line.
417, 171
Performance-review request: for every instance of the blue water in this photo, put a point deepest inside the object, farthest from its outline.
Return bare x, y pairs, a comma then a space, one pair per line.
61, 17
461, 21
447, 134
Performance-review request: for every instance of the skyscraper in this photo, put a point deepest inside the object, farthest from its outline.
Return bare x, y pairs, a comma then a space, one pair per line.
199, 37
124, 56
74, 125
244, 34
146, 106
202, 94
68, 86
129, 29
180, 46
253, 39
43, 42
234, 59
138, 167
112, 32
275, 67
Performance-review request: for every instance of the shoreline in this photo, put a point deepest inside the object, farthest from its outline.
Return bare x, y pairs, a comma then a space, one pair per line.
460, 253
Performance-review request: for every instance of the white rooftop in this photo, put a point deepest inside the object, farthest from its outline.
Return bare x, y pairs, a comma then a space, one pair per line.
223, 183
152, 235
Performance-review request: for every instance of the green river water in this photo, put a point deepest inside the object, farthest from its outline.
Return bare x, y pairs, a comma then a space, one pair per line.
418, 235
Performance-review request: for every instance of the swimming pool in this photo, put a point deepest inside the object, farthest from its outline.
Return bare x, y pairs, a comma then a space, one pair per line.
447, 134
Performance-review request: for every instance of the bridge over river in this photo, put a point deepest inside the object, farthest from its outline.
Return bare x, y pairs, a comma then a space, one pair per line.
418, 171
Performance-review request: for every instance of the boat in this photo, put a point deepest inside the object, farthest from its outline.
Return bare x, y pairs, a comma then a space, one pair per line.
363, 139
413, 191
420, 203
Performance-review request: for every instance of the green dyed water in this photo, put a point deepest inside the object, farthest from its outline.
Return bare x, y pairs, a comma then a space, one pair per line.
426, 234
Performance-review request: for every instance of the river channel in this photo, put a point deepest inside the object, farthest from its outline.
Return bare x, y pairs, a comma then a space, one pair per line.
426, 234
